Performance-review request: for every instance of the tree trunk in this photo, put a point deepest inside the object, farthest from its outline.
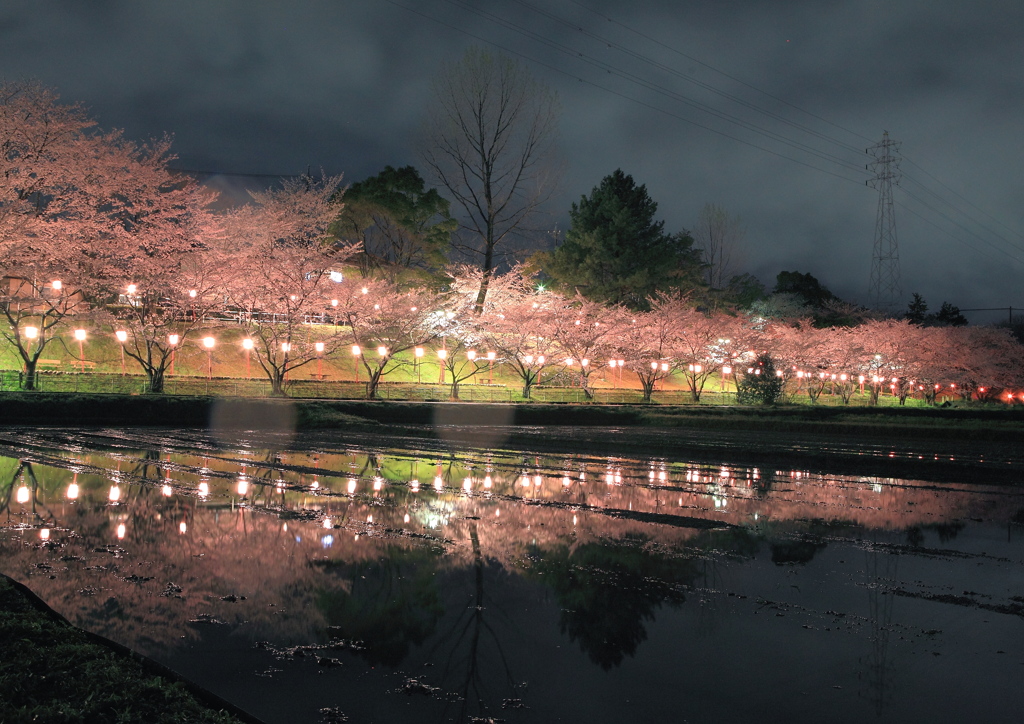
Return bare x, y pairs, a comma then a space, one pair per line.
695, 391
156, 380
485, 280
454, 396
277, 383
373, 384
28, 380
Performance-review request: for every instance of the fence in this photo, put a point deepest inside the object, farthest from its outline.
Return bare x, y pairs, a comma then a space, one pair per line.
134, 384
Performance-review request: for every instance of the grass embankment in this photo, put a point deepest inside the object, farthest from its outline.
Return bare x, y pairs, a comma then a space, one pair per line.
52, 672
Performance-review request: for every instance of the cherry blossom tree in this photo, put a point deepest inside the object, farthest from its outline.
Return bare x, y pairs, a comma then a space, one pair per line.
703, 344
286, 277
586, 335
648, 342
382, 321
168, 269
800, 349
462, 354
893, 356
517, 324
52, 163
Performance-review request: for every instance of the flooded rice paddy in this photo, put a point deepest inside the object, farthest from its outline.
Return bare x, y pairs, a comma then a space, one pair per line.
347, 578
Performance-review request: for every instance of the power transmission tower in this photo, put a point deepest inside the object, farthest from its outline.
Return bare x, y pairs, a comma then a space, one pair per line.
886, 292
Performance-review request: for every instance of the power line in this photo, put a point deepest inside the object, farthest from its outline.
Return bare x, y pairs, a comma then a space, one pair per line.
650, 106
960, 226
959, 196
716, 70
690, 79
204, 172
671, 94
649, 85
970, 217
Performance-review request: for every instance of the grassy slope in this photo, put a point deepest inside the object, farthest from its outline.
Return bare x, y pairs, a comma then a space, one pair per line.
52, 672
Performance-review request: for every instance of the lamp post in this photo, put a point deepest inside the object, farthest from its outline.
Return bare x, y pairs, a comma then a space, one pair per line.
122, 337
355, 359
491, 356
442, 354
31, 333
208, 342
80, 335
173, 339
471, 356
319, 346
247, 345
726, 369
416, 362
612, 363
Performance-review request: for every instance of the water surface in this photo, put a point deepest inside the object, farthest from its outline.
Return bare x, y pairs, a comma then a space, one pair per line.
398, 580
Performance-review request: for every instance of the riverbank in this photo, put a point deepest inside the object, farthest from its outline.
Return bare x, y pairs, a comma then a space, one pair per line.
51, 671
996, 423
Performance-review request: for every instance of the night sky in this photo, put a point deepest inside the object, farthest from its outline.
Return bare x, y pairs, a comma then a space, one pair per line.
275, 88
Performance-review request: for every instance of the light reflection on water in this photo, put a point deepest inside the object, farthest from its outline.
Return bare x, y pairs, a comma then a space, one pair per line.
524, 586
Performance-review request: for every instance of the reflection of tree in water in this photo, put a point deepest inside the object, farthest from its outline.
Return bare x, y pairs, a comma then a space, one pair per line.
467, 646
608, 590
945, 531
391, 604
880, 570
26, 473
800, 550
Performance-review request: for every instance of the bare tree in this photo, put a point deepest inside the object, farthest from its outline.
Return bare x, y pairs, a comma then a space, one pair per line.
488, 140
719, 236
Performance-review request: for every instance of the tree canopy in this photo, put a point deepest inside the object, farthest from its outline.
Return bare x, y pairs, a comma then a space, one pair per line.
616, 252
403, 225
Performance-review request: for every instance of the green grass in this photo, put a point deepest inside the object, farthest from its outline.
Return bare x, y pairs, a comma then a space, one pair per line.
52, 672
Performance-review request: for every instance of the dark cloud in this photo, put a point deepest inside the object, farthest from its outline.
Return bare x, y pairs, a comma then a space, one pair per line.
269, 87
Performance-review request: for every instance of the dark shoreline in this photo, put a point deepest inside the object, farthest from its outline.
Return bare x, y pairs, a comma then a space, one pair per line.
956, 422
43, 636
